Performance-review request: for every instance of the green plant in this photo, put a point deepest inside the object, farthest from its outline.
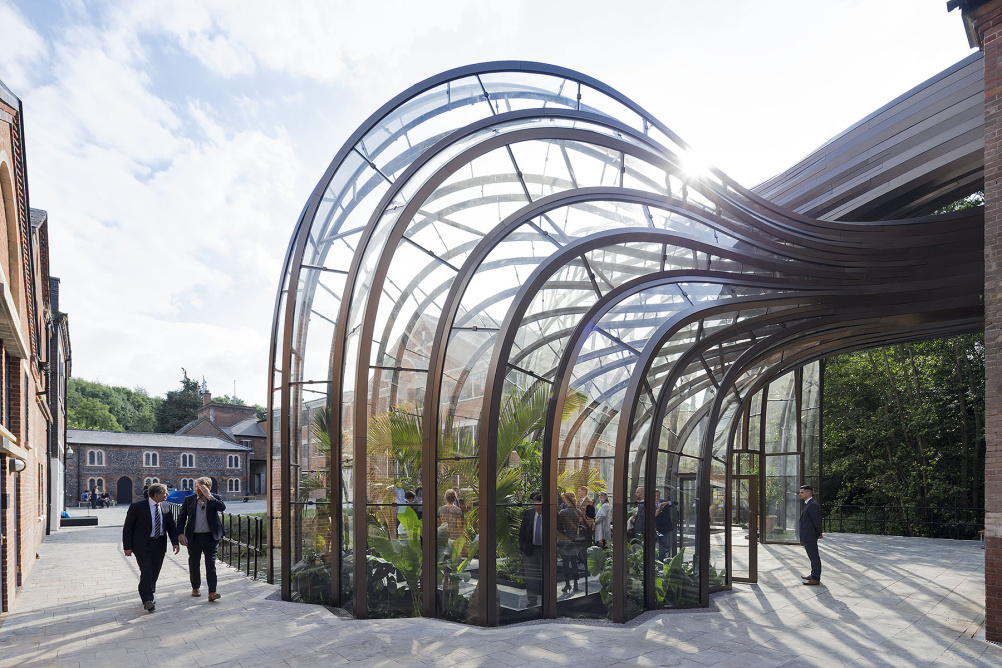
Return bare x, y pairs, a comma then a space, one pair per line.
676, 582
311, 578
402, 554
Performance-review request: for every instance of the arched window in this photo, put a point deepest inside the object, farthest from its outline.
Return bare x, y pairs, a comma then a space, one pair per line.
151, 459
232, 461
233, 485
187, 484
149, 481
187, 460
95, 482
95, 458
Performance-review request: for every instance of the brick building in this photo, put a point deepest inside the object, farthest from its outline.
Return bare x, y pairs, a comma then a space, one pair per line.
28, 424
122, 462
238, 424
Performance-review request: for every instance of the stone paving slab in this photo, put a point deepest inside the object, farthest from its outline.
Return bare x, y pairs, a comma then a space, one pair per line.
885, 601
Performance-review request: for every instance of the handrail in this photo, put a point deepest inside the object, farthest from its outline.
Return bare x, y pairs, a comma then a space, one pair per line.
924, 521
247, 542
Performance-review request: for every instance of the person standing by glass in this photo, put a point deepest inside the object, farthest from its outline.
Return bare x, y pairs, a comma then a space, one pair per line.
603, 520
201, 529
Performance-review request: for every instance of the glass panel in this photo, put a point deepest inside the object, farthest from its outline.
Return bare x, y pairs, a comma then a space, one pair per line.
393, 476
781, 415
520, 575
782, 484
811, 406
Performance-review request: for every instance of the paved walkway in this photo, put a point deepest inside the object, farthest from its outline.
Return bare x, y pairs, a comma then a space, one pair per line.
885, 602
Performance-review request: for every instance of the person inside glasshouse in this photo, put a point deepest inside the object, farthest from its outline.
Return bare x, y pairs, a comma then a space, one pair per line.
530, 541
603, 517
573, 538
585, 503
664, 525
810, 531
450, 514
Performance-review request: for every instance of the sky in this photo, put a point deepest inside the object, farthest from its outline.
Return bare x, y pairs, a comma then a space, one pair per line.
174, 143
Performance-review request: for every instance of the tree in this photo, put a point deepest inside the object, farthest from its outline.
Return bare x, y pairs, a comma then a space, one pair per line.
90, 413
133, 410
180, 406
227, 399
904, 425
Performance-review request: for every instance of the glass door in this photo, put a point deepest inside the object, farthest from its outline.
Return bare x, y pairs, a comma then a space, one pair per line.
743, 526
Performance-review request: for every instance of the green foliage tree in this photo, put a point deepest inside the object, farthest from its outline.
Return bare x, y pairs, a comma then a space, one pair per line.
91, 413
132, 410
179, 407
904, 425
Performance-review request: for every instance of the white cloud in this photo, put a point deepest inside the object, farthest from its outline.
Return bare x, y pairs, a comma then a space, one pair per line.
23, 48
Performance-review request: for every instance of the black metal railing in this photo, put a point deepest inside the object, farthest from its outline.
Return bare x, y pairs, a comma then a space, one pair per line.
245, 546
927, 522
242, 546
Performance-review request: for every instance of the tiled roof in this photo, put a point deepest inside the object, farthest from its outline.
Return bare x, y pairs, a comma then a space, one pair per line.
246, 427
149, 440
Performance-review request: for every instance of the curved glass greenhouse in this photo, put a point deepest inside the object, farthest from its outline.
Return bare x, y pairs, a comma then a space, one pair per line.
512, 279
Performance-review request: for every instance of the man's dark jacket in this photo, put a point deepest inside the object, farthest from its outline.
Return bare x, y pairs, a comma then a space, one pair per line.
810, 521
139, 525
213, 507
525, 531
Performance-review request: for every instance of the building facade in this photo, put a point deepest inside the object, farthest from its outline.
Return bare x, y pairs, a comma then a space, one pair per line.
26, 415
240, 425
123, 462
60, 367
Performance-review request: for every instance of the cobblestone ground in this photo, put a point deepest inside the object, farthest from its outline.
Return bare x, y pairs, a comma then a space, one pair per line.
884, 602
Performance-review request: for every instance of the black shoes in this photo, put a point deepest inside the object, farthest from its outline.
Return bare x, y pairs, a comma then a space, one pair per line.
150, 606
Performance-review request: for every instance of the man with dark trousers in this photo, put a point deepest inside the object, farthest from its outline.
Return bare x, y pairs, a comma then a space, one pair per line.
147, 527
201, 529
530, 541
810, 532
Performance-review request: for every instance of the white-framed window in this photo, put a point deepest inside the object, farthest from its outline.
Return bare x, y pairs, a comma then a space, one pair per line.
187, 484
246, 442
233, 484
151, 459
149, 481
95, 458
233, 462
95, 482
187, 460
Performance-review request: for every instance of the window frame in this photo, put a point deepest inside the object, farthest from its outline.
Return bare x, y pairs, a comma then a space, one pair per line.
151, 459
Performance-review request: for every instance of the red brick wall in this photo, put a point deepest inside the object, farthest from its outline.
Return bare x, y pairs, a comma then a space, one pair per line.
987, 22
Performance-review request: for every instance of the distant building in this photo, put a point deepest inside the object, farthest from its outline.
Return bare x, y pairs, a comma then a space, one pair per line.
238, 424
122, 462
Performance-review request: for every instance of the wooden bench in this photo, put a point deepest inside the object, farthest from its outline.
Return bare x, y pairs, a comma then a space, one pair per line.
78, 521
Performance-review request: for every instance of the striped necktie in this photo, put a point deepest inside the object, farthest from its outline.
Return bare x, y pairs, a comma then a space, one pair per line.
158, 527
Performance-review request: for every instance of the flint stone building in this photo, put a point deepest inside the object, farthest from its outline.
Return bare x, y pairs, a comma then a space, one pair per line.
121, 462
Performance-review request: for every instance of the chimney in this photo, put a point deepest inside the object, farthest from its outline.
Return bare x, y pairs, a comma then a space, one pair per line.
206, 398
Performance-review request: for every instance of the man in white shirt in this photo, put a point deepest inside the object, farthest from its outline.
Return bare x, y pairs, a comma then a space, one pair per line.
201, 529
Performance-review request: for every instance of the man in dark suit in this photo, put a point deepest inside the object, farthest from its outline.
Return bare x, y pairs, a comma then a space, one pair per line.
201, 529
147, 527
810, 532
530, 541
